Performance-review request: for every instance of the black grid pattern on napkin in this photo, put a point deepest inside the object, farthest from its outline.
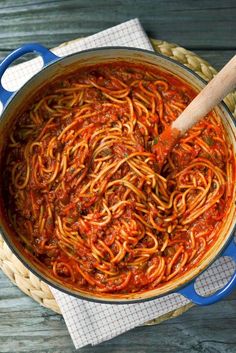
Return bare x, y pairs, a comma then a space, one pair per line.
91, 323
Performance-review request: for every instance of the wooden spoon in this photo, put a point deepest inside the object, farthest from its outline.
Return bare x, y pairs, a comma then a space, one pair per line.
211, 95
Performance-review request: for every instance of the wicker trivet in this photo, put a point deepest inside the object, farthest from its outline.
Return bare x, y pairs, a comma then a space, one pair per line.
37, 289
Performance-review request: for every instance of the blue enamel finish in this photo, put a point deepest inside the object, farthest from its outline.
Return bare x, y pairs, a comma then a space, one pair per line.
188, 290
46, 55
190, 293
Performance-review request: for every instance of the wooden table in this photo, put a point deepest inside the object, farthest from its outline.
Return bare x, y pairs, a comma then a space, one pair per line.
206, 27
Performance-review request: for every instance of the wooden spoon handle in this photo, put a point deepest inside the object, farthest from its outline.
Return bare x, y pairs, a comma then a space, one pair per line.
208, 98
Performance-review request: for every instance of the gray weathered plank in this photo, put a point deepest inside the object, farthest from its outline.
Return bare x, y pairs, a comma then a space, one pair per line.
193, 24
208, 28
217, 58
27, 327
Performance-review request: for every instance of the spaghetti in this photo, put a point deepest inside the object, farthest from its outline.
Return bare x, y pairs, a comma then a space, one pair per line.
83, 188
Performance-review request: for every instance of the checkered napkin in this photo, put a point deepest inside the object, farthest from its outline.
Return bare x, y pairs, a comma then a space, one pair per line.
92, 323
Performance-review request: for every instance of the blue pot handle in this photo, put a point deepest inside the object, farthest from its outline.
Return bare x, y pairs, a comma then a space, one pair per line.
46, 55
190, 293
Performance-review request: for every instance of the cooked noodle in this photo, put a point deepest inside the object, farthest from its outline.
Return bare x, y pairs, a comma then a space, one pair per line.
84, 191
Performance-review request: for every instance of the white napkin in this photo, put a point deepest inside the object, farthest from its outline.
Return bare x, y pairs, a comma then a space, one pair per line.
92, 323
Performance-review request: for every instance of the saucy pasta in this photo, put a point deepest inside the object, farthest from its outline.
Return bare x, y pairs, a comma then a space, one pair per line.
84, 191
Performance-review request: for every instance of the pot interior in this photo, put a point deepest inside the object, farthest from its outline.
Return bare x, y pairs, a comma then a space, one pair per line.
64, 67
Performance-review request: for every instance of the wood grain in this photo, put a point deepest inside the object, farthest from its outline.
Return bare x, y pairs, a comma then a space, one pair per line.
27, 327
211, 95
206, 27
193, 24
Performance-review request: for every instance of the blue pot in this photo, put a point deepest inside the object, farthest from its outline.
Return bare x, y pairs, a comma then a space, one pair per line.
55, 66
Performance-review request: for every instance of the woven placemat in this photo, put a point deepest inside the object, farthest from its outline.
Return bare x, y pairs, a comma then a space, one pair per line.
37, 289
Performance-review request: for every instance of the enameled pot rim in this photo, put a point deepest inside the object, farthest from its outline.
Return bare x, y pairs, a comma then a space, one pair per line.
36, 271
